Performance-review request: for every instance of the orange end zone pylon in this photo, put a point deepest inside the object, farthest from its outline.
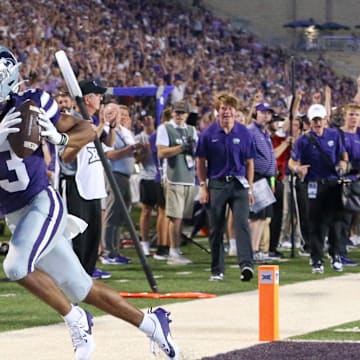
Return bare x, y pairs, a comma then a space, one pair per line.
268, 281
175, 295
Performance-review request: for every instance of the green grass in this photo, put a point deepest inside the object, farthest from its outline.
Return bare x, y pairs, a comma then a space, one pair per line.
345, 332
19, 309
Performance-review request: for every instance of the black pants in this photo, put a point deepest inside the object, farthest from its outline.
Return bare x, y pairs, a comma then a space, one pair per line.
221, 194
324, 214
85, 245
303, 204
343, 229
276, 220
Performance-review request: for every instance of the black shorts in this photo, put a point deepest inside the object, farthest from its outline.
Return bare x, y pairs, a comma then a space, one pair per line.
152, 193
266, 212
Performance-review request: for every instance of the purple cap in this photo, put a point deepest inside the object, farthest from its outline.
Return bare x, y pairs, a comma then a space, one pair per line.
264, 107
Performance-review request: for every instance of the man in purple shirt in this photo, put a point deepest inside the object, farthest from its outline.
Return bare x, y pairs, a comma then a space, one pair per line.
225, 169
318, 157
40, 256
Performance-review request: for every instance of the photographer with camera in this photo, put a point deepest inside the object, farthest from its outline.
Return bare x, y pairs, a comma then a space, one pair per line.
175, 143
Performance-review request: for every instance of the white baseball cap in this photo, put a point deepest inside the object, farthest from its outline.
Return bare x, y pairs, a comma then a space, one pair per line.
316, 111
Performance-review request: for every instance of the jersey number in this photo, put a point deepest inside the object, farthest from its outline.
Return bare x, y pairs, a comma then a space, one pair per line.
13, 175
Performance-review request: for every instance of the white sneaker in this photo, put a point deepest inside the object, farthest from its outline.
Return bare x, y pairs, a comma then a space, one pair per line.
81, 337
161, 335
355, 239
336, 263
146, 247
178, 260
285, 245
217, 277
232, 251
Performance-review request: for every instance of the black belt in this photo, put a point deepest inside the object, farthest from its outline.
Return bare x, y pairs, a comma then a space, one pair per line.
227, 178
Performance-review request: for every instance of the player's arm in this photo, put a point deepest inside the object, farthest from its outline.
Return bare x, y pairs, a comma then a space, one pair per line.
80, 133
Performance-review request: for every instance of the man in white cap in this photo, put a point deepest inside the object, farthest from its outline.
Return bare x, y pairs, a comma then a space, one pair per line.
318, 157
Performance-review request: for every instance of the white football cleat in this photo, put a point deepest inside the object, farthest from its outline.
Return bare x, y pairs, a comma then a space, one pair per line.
81, 336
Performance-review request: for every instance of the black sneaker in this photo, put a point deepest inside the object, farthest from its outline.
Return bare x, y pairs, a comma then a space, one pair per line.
276, 254
247, 273
318, 267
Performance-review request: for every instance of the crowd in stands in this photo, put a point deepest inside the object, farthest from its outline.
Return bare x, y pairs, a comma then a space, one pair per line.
134, 43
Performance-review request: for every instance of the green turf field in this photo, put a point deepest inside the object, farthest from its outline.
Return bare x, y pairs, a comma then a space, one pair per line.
20, 309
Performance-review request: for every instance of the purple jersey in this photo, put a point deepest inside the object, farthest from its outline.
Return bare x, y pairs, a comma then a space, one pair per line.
22, 179
226, 154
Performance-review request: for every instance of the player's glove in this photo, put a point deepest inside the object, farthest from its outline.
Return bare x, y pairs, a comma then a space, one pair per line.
49, 130
11, 118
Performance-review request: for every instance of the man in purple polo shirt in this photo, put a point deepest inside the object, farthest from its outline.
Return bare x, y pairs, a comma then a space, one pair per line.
225, 155
318, 157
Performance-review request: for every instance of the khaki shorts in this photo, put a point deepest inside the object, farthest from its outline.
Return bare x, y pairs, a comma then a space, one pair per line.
180, 200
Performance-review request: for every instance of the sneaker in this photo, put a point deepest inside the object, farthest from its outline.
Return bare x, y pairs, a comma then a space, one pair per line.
161, 335
146, 247
276, 255
100, 274
232, 251
303, 252
178, 260
217, 277
318, 267
355, 239
81, 337
286, 245
115, 260
336, 263
247, 273
262, 258
160, 256
346, 261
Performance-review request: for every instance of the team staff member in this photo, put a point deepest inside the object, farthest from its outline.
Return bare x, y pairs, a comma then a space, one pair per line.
319, 173
225, 155
83, 184
264, 168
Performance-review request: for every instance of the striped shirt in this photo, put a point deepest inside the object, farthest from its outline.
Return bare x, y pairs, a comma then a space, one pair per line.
264, 161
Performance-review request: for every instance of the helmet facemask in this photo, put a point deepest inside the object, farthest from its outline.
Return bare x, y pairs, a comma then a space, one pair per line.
9, 74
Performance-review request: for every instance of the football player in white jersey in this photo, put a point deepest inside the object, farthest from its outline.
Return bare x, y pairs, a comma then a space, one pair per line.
40, 256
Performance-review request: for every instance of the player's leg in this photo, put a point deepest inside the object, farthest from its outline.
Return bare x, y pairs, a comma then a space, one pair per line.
41, 285
154, 324
37, 230
79, 286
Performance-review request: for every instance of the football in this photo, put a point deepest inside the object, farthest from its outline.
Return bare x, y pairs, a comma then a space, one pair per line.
28, 139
